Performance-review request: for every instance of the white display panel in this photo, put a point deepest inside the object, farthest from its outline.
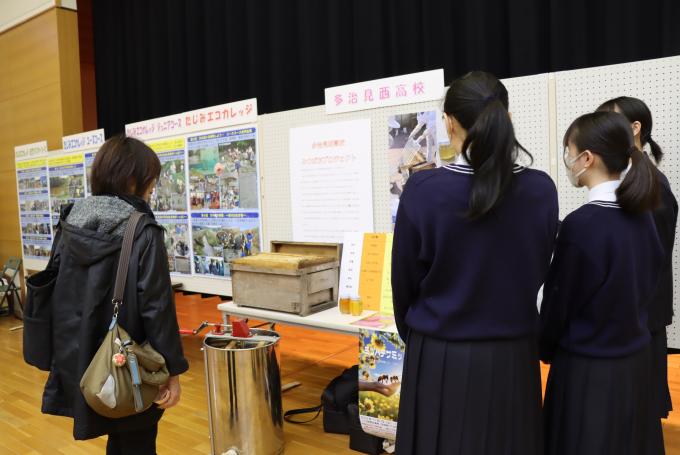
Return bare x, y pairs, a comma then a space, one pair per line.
331, 182
34, 205
657, 83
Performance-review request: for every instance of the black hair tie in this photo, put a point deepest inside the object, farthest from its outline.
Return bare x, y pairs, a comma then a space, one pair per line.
489, 98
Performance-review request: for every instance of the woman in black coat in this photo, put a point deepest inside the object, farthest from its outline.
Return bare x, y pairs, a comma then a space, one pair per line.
86, 254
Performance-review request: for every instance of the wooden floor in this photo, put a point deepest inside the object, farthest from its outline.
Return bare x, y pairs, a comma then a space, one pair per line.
310, 357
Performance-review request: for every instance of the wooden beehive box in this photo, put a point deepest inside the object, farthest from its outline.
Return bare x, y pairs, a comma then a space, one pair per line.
300, 278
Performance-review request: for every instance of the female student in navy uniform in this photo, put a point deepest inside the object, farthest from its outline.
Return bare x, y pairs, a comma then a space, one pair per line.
472, 246
594, 312
665, 218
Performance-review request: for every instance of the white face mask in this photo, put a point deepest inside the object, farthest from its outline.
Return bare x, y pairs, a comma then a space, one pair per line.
574, 178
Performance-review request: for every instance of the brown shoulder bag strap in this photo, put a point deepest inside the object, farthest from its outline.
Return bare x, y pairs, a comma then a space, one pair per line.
124, 261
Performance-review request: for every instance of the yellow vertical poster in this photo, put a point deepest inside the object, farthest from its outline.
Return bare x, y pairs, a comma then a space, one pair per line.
372, 263
67, 181
386, 306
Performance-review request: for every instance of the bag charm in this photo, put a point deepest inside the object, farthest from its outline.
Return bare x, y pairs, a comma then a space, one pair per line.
119, 359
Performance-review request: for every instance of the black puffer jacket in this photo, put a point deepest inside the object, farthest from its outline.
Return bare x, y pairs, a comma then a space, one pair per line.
87, 258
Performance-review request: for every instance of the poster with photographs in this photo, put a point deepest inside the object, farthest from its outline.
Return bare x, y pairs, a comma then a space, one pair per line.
34, 208
413, 146
177, 241
381, 360
36, 235
67, 181
221, 237
170, 194
89, 160
223, 170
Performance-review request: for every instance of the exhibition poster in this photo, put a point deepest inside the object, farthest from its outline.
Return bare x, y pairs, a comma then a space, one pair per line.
177, 241
67, 182
413, 146
89, 161
223, 170
366, 270
372, 270
219, 237
34, 208
331, 181
170, 194
386, 303
381, 360
88, 143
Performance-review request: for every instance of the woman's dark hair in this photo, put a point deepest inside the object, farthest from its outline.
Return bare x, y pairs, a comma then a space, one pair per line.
479, 102
608, 135
123, 163
636, 110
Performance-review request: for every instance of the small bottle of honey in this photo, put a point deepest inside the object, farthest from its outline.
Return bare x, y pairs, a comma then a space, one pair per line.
344, 304
356, 305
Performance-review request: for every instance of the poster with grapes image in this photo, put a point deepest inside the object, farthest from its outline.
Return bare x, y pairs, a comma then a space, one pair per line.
381, 360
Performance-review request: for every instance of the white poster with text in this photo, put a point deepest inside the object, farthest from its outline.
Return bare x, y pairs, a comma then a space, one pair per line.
331, 180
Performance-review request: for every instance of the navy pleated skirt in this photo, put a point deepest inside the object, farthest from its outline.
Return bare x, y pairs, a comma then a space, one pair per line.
598, 406
662, 399
470, 398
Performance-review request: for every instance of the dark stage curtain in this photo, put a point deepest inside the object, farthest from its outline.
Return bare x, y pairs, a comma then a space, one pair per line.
158, 57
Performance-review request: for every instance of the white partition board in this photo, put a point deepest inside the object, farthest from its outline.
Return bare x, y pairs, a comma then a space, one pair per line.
530, 109
530, 113
657, 82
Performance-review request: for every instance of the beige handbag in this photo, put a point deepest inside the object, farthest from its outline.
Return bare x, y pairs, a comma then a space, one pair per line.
123, 378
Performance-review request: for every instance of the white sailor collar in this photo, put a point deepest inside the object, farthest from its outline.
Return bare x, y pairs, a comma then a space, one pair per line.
461, 166
604, 194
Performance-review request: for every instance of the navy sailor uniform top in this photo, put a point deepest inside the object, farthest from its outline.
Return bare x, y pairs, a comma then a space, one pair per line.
603, 275
665, 218
459, 279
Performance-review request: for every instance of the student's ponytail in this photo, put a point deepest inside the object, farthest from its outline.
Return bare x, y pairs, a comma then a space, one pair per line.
657, 153
636, 110
492, 157
639, 191
479, 102
608, 135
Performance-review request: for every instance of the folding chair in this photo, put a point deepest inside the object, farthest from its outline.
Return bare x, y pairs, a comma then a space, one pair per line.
11, 294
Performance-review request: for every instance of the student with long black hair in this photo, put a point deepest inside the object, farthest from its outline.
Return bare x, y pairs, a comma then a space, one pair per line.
665, 217
595, 301
472, 245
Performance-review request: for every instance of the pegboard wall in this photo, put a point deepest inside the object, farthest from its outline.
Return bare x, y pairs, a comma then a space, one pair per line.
657, 82
530, 109
530, 114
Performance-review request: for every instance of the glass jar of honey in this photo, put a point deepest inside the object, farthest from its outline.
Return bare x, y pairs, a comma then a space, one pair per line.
356, 306
344, 304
